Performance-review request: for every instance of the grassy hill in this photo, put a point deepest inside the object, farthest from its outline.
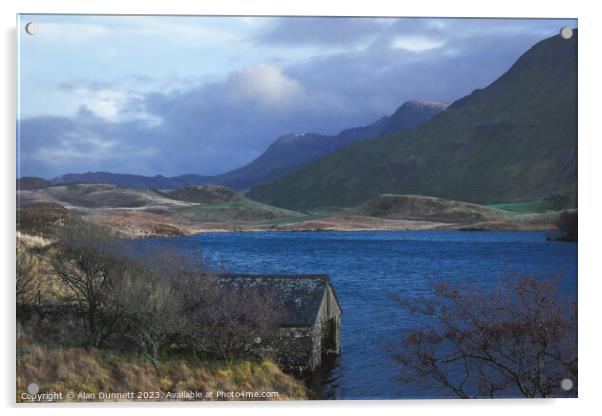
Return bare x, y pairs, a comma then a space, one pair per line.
42, 218
203, 194
97, 196
417, 207
236, 210
143, 212
31, 182
514, 141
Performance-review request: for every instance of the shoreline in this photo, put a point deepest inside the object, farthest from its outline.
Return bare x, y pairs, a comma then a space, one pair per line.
453, 228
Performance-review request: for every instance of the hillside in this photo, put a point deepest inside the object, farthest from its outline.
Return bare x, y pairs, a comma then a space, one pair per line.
134, 213
143, 213
215, 204
416, 207
31, 182
130, 181
287, 154
54, 367
41, 219
514, 141
410, 114
292, 151
86, 197
204, 194
236, 211
416, 212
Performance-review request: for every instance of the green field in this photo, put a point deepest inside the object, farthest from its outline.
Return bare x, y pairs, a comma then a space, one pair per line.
527, 207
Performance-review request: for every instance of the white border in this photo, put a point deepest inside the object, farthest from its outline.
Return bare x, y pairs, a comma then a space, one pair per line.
590, 199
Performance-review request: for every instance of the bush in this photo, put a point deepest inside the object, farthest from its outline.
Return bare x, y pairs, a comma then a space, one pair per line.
568, 225
520, 339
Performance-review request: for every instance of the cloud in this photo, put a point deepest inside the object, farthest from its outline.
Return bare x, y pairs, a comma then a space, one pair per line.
265, 85
180, 29
110, 102
358, 70
321, 31
164, 28
206, 129
115, 105
416, 43
83, 142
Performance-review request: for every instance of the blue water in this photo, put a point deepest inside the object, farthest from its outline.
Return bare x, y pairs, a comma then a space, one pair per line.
365, 267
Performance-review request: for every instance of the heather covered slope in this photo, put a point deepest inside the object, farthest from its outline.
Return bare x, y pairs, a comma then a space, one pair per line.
514, 141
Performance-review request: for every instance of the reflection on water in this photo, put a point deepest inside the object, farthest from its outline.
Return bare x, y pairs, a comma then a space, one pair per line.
323, 382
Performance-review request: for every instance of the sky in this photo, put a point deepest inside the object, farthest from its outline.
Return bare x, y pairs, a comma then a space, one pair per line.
167, 95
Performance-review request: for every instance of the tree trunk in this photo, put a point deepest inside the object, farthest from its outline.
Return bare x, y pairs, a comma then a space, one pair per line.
154, 359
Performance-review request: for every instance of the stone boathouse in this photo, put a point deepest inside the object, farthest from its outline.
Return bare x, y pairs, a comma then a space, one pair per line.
308, 317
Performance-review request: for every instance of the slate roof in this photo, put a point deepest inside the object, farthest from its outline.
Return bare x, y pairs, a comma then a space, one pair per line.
298, 296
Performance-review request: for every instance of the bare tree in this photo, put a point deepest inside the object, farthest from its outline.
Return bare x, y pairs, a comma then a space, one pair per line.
239, 318
151, 311
27, 272
89, 270
519, 339
224, 319
568, 225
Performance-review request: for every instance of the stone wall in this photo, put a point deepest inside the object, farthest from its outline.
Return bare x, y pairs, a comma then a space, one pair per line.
301, 348
291, 347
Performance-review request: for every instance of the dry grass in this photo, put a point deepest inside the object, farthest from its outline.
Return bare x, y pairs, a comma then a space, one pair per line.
28, 241
138, 224
59, 369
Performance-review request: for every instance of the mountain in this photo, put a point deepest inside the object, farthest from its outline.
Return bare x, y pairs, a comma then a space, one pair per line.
410, 114
32, 182
292, 151
130, 181
515, 140
286, 155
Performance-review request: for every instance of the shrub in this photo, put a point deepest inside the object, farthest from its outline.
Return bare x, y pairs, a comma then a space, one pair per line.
520, 339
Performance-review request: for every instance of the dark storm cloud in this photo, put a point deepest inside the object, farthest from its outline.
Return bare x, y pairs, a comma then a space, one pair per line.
329, 31
385, 77
372, 68
208, 129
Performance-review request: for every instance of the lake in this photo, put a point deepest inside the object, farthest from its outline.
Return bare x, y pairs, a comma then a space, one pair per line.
365, 268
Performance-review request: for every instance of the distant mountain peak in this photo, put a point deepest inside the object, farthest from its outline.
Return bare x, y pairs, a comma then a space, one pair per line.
427, 103
291, 138
512, 141
285, 155
412, 113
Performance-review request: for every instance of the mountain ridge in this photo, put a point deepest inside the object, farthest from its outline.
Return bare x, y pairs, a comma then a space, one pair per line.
515, 140
285, 155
